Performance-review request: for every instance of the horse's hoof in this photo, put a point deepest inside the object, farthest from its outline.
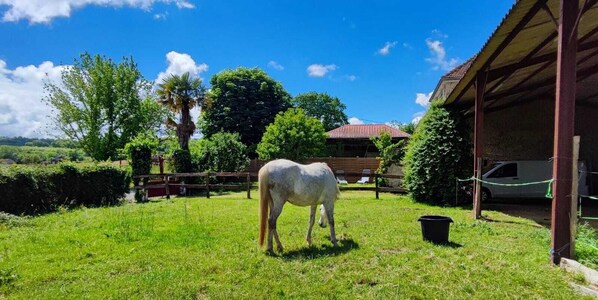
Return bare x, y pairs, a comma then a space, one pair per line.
308, 242
280, 249
270, 252
335, 243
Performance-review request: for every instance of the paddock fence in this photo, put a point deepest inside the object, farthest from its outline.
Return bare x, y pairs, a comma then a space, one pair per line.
174, 184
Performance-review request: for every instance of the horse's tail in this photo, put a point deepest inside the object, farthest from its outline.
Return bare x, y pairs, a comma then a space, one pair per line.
265, 199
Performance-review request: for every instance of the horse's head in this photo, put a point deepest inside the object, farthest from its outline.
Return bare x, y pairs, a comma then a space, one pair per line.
323, 222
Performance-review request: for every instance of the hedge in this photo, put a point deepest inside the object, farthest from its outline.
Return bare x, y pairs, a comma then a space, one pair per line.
42, 189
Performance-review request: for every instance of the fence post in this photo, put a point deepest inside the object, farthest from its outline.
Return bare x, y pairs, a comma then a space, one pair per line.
208, 185
574, 195
167, 186
248, 186
477, 199
376, 180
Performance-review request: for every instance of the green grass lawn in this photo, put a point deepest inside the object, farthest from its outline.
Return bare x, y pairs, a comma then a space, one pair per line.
206, 248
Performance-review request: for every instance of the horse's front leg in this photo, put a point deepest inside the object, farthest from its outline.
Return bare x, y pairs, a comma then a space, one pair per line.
329, 207
274, 214
312, 220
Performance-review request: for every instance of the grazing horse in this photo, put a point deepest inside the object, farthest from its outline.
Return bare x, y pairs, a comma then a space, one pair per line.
303, 185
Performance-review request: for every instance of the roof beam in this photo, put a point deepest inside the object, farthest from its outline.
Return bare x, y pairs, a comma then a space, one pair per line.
531, 54
544, 83
501, 71
528, 16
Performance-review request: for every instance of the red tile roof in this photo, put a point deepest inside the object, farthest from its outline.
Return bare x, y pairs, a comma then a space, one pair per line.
364, 131
459, 71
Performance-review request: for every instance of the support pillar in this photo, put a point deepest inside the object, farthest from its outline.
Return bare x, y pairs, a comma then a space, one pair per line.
478, 138
564, 121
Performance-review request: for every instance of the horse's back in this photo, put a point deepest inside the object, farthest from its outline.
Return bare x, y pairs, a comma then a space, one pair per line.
301, 184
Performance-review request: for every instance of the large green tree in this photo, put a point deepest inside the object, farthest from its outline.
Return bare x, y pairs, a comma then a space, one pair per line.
244, 101
102, 104
294, 136
180, 94
329, 110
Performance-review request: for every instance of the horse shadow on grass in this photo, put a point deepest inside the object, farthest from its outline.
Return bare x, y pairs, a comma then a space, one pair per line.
326, 250
447, 244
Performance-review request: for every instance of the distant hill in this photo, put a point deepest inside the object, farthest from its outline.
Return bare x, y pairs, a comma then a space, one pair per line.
34, 142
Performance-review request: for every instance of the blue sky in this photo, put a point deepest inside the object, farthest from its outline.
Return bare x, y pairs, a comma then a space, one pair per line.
378, 57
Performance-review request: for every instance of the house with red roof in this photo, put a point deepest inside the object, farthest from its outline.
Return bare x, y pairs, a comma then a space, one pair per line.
354, 140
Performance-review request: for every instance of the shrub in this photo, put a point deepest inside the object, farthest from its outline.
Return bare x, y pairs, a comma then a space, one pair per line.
438, 152
390, 153
222, 152
294, 136
35, 190
182, 162
140, 151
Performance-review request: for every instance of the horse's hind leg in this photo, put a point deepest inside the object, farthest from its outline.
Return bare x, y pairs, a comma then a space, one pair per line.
275, 211
312, 220
329, 207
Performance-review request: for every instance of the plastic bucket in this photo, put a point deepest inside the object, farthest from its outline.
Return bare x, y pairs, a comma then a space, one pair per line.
435, 228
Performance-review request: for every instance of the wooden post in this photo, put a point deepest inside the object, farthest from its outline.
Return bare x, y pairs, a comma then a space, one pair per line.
208, 185
248, 186
376, 180
574, 194
167, 186
477, 199
564, 121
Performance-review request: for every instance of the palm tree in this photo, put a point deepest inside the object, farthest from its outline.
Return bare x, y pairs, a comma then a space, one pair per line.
180, 94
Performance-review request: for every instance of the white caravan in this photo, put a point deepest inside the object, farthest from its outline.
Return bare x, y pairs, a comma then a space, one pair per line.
521, 172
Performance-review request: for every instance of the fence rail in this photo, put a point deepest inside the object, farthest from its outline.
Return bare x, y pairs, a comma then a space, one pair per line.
166, 182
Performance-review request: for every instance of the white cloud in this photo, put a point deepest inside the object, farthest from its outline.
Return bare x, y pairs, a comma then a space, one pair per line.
423, 99
351, 77
318, 70
386, 49
355, 121
44, 11
439, 34
407, 45
438, 57
22, 111
274, 65
161, 16
180, 63
418, 117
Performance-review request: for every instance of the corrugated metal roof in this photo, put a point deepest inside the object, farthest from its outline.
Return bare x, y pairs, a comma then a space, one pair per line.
528, 79
364, 131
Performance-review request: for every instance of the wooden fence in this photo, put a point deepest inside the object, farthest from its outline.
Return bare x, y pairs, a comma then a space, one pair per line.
166, 179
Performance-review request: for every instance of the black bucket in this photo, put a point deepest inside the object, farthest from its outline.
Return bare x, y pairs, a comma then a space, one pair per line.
435, 228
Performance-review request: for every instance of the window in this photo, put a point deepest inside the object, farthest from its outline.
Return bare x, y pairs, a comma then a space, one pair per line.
508, 170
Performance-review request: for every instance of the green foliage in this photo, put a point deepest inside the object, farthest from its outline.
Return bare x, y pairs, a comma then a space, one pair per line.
244, 101
206, 249
35, 142
140, 151
98, 105
181, 161
180, 94
586, 245
329, 110
39, 155
438, 153
222, 152
294, 136
390, 153
408, 127
34, 190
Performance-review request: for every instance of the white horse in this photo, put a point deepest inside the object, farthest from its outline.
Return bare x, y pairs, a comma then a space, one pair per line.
303, 185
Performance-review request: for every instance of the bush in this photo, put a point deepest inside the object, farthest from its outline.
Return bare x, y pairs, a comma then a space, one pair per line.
438, 153
222, 152
35, 190
294, 136
182, 162
140, 151
390, 153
